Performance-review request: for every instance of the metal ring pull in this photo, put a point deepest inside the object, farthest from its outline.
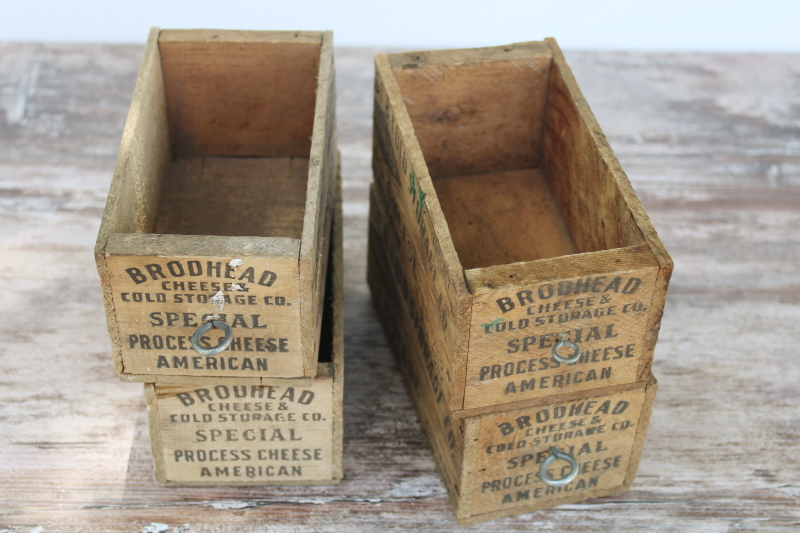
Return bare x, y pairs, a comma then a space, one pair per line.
563, 342
555, 453
219, 348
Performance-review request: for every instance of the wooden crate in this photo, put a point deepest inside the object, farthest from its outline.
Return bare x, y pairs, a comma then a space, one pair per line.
223, 192
281, 431
490, 463
513, 223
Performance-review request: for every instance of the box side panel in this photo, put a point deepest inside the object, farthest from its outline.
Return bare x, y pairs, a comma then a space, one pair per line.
322, 170
601, 302
154, 425
642, 426
142, 166
598, 431
575, 147
241, 97
589, 196
476, 110
166, 286
412, 348
336, 281
425, 251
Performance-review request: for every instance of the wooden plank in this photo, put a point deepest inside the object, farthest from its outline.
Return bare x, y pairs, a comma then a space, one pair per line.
323, 165
272, 434
476, 110
599, 301
402, 180
139, 175
233, 96
165, 286
599, 431
502, 217
412, 349
334, 299
239, 36
234, 196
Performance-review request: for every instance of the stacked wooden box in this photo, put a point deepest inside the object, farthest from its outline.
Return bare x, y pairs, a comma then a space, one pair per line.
225, 210
516, 274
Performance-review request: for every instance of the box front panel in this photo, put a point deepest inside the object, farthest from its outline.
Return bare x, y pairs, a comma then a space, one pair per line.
160, 302
599, 432
246, 434
514, 331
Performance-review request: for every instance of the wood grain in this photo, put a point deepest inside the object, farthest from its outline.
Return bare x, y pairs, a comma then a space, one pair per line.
502, 217
240, 93
141, 170
476, 110
265, 195
709, 141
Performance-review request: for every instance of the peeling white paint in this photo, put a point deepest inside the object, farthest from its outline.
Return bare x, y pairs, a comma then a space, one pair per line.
15, 110
155, 527
789, 490
234, 504
419, 487
218, 301
236, 287
235, 263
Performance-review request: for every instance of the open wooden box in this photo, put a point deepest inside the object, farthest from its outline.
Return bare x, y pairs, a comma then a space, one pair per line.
220, 205
514, 223
281, 431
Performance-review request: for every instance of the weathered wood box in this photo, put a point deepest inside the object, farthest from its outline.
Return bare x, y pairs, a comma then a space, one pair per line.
513, 224
492, 463
220, 206
281, 431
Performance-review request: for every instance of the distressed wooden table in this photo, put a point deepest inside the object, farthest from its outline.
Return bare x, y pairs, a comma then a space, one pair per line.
712, 146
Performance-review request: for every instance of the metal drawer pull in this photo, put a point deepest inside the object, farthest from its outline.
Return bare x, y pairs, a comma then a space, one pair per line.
555, 453
219, 348
563, 342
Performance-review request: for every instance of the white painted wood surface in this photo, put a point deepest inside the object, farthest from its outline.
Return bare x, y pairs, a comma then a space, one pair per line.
712, 145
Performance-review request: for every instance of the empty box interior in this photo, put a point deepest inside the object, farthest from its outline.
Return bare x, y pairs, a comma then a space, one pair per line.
240, 117
513, 166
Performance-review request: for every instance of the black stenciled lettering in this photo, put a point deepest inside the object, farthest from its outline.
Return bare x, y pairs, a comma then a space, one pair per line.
213, 268
505, 304
267, 278
176, 269
631, 286
525, 297
155, 271
136, 275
